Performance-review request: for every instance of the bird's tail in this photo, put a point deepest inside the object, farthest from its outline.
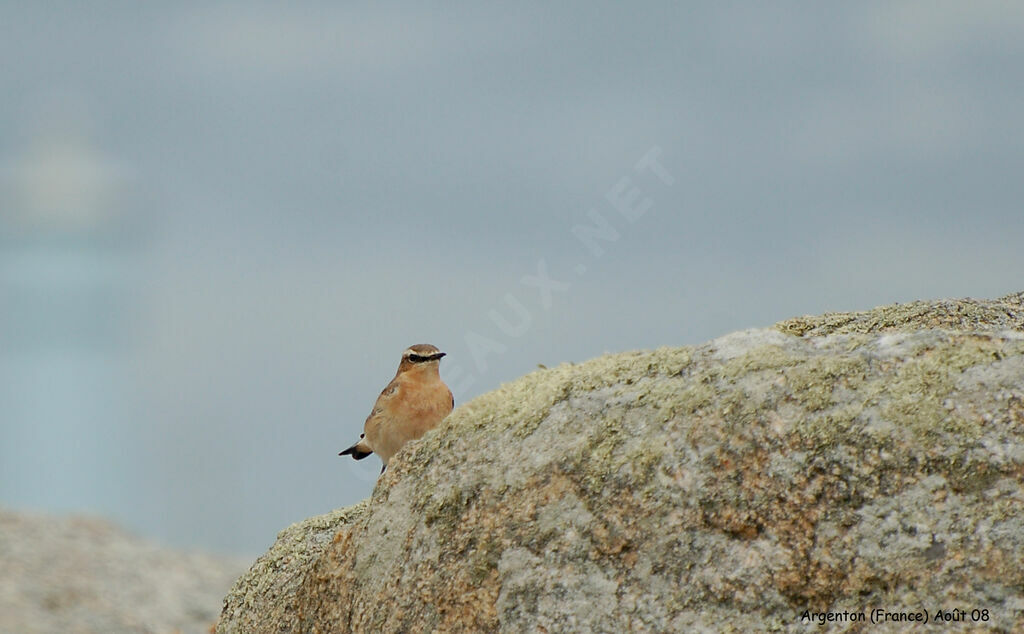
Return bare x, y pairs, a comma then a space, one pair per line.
358, 451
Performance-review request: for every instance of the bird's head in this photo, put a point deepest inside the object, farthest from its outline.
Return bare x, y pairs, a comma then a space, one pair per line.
422, 356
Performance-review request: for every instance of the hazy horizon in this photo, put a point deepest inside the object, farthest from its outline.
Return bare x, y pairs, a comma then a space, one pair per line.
221, 225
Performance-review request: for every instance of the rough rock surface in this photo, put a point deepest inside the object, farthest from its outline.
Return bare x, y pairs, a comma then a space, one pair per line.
272, 584
835, 464
82, 575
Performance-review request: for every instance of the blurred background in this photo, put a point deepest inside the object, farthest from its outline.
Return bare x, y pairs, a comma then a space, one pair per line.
221, 225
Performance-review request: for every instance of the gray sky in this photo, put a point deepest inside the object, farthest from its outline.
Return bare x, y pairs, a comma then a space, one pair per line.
220, 226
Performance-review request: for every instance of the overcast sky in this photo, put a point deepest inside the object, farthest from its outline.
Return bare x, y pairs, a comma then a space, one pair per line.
221, 225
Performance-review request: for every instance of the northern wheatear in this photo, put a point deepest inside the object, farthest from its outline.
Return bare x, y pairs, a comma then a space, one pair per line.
413, 403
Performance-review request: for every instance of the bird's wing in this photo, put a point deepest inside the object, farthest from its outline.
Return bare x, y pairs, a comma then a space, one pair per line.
385, 395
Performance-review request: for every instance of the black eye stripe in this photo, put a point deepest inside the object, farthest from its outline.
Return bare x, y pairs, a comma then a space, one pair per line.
415, 358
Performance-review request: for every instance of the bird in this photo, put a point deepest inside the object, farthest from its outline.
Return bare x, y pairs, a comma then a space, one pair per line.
412, 404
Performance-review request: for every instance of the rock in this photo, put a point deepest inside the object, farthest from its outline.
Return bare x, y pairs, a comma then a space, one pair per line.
961, 315
85, 575
263, 600
762, 481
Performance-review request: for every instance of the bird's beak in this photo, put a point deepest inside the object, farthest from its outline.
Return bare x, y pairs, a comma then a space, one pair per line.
440, 354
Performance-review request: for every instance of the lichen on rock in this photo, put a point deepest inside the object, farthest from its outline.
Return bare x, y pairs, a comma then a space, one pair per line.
266, 593
844, 462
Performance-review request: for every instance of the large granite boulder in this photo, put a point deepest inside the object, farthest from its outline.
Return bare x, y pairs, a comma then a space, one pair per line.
864, 465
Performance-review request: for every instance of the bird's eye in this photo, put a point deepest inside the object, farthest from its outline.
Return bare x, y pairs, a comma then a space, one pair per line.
415, 358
